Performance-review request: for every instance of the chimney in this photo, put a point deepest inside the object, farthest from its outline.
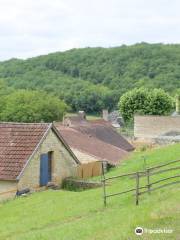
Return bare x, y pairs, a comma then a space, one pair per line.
82, 114
178, 104
105, 114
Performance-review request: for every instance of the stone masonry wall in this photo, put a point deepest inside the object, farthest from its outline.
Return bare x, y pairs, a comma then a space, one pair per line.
7, 189
149, 127
63, 165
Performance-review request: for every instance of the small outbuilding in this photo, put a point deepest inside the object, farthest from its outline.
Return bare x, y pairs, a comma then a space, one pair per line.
31, 156
90, 150
105, 132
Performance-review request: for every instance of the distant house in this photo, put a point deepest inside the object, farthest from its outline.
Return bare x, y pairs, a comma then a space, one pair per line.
75, 120
114, 118
31, 155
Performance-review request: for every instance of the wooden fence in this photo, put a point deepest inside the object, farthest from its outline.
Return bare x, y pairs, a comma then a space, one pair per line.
148, 188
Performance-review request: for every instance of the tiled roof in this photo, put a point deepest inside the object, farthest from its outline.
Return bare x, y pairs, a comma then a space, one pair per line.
100, 121
91, 145
101, 129
106, 133
17, 143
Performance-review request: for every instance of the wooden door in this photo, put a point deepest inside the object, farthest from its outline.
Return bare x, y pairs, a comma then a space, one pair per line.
45, 169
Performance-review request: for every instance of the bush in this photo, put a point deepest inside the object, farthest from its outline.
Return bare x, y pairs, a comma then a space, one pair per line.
31, 106
145, 101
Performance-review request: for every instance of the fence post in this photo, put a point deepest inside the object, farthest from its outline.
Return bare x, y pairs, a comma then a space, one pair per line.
144, 161
104, 184
137, 188
148, 181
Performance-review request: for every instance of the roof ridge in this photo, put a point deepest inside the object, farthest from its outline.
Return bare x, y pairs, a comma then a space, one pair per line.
91, 137
35, 150
23, 123
99, 140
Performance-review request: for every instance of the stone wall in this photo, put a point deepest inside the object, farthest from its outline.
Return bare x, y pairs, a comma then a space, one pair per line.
79, 184
63, 165
8, 189
151, 127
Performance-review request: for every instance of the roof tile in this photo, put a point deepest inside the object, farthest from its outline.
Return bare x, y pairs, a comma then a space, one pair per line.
17, 143
91, 145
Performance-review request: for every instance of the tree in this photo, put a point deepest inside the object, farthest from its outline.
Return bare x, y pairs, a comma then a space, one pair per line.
90, 98
145, 101
160, 102
76, 75
31, 106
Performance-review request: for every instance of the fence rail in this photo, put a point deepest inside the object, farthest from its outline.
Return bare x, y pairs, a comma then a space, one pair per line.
140, 174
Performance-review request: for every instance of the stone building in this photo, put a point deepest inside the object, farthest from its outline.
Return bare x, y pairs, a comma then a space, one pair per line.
160, 129
113, 118
90, 151
31, 156
93, 142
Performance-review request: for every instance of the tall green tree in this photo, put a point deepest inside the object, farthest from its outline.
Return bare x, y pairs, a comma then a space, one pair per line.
159, 102
144, 101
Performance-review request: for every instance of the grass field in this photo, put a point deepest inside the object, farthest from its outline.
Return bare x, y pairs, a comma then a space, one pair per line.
64, 215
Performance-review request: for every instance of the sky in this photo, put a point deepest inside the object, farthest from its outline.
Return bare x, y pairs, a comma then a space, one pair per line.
35, 27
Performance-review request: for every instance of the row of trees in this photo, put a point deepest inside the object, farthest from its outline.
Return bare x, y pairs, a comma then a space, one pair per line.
37, 106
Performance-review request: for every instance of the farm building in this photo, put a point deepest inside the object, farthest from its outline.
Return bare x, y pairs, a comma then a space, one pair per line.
104, 131
31, 155
99, 128
35, 154
90, 150
112, 119
93, 142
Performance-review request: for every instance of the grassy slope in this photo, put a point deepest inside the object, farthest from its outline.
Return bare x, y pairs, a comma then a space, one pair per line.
81, 215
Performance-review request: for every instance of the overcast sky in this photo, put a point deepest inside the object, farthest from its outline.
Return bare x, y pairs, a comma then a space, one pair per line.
35, 27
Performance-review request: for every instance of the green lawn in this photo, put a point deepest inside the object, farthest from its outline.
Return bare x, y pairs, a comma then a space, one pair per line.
64, 215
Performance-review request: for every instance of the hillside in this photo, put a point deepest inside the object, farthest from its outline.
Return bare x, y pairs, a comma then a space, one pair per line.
97, 76
81, 215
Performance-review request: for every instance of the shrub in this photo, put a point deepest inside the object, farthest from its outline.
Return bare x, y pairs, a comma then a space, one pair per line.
144, 101
31, 106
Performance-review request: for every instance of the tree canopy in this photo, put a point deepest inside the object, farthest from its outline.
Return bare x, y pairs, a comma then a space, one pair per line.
145, 101
92, 78
31, 106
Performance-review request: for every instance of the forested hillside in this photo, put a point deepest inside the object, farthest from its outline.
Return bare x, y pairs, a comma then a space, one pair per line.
94, 78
